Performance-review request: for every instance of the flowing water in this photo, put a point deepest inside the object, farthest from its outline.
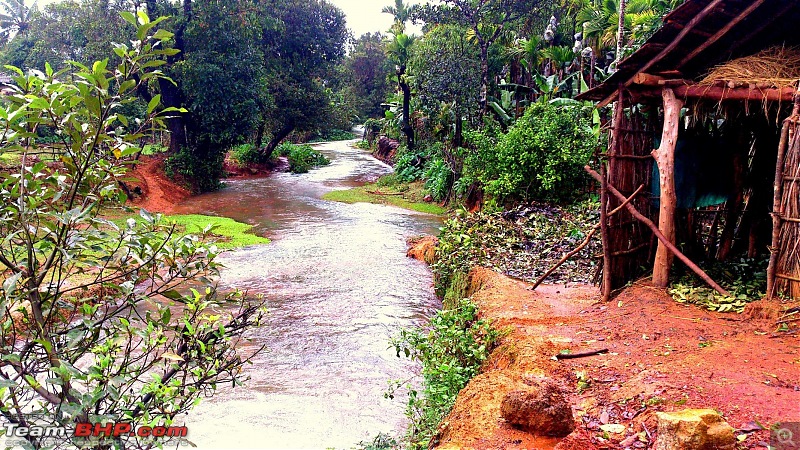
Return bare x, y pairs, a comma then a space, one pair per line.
338, 286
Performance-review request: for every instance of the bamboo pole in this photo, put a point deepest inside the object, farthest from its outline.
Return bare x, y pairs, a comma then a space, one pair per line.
777, 199
649, 223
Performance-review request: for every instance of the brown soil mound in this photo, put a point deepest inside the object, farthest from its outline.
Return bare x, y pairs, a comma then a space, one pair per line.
158, 193
423, 249
662, 356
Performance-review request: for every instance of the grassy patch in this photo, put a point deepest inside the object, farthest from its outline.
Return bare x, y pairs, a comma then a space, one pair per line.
406, 196
228, 233
10, 159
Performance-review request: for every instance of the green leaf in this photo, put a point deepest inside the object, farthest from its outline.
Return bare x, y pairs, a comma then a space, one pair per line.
153, 103
162, 35
129, 17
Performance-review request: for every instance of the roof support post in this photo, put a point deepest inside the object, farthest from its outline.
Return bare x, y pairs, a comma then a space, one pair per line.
665, 158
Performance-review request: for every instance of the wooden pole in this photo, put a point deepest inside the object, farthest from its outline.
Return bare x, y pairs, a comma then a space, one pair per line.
777, 213
649, 223
665, 158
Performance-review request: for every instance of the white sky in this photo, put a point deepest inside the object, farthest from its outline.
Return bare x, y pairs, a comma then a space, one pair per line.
364, 16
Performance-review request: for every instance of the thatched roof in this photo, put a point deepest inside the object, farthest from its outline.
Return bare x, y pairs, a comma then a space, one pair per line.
701, 34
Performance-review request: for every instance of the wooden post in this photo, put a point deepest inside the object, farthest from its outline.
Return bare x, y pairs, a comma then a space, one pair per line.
665, 158
777, 212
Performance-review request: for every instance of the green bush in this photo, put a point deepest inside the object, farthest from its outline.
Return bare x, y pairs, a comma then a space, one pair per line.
540, 158
451, 351
284, 148
247, 154
303, 158
203, 173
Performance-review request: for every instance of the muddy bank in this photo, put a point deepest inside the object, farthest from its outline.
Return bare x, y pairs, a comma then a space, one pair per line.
662, 356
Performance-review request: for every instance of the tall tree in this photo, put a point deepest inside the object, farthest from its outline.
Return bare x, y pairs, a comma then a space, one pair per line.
487, 20
447, 72
301, 51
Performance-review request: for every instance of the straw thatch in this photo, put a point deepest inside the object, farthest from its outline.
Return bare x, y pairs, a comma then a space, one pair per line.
776, 67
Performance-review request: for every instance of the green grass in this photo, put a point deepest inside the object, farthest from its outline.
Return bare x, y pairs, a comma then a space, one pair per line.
411, 198
10, 159
228, 234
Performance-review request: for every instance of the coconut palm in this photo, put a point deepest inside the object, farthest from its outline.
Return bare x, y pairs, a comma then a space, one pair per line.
15, 18
402, 14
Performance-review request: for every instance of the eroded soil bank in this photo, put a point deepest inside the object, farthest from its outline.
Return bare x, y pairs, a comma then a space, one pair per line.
662, 356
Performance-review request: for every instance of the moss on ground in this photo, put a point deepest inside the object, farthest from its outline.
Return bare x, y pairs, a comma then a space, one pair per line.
227, 233
406, 196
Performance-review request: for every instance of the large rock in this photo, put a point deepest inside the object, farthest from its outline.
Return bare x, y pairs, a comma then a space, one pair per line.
693, 429
541, 410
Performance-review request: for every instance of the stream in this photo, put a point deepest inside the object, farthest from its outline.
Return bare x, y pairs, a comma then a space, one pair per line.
338, 287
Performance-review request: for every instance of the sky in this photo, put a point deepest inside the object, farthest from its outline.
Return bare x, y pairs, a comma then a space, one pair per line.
364, 16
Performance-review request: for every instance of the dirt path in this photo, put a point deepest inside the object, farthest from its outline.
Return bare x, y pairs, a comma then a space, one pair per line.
662, 357
158, 193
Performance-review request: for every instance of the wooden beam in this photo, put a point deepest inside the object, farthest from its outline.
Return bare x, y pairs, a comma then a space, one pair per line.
665, 158
723, 93
722, 32
647, 79
649, 223
689, 26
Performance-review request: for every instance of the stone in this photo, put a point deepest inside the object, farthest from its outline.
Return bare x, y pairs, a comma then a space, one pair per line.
428, 198
693, 429
541, 410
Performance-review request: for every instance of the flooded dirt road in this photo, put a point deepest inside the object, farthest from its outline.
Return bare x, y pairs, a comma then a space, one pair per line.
338, 286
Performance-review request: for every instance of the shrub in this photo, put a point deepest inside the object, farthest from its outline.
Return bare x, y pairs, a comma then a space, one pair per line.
303, 158
202, 173
284, 148
438, 178
247, 154
451, 351
541, 157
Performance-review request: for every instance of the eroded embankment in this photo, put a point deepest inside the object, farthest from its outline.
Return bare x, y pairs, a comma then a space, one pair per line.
662, 356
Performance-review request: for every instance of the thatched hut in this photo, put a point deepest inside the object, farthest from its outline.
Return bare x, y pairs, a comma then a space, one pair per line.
714, 93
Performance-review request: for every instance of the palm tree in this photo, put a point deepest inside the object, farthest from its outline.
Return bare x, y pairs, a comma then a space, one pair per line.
402, 14
399, 52
15, 18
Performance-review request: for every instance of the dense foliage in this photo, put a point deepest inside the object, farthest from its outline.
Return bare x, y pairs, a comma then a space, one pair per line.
540, 157
97, 324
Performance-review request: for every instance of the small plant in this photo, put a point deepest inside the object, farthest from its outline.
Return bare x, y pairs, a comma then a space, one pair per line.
451, 350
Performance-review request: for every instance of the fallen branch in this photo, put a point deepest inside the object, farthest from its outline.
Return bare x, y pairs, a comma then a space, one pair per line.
669, 245
585, 242
581, 355
384, 193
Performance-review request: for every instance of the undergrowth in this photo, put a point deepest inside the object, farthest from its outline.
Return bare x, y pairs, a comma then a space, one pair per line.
745, 279
522, 243
451, 350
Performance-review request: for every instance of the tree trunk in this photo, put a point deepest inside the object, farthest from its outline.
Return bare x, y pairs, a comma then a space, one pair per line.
484, 94
620, 33
408, 130
277, 138
665, 158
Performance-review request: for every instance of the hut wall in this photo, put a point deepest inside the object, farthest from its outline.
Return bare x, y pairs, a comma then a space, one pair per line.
788, 263
630, 243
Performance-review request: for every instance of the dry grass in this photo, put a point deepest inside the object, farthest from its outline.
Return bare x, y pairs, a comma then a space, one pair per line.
777, 67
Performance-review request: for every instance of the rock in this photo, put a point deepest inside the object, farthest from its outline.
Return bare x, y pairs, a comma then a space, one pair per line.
541, 410
428, 198
386, 149
693, 429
